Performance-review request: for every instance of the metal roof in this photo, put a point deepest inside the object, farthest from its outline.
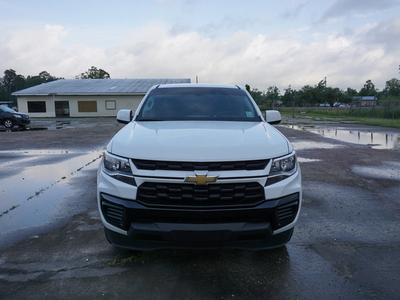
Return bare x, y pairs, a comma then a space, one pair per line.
96, 87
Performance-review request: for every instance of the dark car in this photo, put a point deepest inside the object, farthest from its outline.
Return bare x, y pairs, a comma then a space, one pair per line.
9, 118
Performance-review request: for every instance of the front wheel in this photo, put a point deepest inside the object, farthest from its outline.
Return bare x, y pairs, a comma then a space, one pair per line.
8, 123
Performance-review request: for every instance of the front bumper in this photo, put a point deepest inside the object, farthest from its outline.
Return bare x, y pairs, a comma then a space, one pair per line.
129, 224
21, 121
269, 242
159, 210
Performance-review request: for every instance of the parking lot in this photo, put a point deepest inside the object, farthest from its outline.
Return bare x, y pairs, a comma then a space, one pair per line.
346, 244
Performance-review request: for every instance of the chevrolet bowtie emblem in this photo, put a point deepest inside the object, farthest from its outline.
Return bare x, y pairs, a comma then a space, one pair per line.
201, 179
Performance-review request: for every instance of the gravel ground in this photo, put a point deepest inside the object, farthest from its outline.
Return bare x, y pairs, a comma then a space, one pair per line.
345, 245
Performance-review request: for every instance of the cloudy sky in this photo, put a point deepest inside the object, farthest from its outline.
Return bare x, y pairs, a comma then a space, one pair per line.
255, 42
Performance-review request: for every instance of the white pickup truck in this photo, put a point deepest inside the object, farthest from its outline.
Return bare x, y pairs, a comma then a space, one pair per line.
197, 166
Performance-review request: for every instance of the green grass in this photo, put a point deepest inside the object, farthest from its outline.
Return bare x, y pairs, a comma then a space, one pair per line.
121, 262
377, 122
343, 115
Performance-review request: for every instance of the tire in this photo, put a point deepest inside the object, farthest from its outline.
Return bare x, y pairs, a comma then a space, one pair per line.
8, 123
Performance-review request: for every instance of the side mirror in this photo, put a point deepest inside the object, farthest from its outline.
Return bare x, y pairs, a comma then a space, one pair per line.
124, 116
273, 117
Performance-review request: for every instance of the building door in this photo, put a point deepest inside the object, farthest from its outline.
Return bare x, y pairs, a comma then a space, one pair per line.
62, 108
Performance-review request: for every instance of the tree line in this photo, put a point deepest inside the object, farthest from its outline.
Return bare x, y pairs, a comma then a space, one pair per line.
306, 96
12, 82
321, 94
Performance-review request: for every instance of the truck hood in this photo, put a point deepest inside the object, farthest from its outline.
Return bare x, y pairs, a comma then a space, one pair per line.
199, 141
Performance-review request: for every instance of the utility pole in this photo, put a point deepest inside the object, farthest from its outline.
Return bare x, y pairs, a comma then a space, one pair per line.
291, 94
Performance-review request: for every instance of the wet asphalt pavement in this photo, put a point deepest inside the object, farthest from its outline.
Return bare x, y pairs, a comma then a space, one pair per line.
52, 246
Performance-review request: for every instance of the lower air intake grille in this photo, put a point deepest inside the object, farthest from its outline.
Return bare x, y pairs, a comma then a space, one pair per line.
287, 213
113, 213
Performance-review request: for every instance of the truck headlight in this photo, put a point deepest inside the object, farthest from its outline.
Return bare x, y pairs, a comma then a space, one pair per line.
118, 168
282, 168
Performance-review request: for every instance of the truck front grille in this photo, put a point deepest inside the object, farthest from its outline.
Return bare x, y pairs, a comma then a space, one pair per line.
210, 166
189, 195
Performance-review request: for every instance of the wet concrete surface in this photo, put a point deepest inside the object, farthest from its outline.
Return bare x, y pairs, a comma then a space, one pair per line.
359, 135
37, 184
346, 244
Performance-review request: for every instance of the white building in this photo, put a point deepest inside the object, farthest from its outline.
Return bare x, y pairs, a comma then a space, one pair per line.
86, 97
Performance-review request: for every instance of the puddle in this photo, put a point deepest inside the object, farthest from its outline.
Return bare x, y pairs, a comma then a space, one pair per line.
306, 160
313, 145
388, 170
17, 129
43, 125
376, 140
33, 194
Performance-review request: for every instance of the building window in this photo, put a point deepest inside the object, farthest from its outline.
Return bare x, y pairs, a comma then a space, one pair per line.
87, 106
111, 105
37, 106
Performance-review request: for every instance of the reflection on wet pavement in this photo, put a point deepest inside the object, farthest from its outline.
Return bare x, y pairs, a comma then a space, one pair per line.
313, 145
305, 160
34, 184
39, 125
388, 170
376, 140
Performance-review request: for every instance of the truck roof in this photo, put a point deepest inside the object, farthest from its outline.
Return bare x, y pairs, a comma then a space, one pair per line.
198, 85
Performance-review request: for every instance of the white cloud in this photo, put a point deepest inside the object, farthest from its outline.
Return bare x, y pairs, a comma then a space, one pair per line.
30, 50
386, 33
262, 60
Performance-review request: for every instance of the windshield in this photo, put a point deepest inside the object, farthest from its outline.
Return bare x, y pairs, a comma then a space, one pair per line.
211, 104
7, 109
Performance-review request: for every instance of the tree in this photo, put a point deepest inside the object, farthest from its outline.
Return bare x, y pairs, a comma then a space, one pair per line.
43, 77
392, 88
349, 94
93, 73
312, 95
289, 97
368, 89
322, 92
11, 82
272, 94
32, 81
258, 96
332, 95
308, 95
